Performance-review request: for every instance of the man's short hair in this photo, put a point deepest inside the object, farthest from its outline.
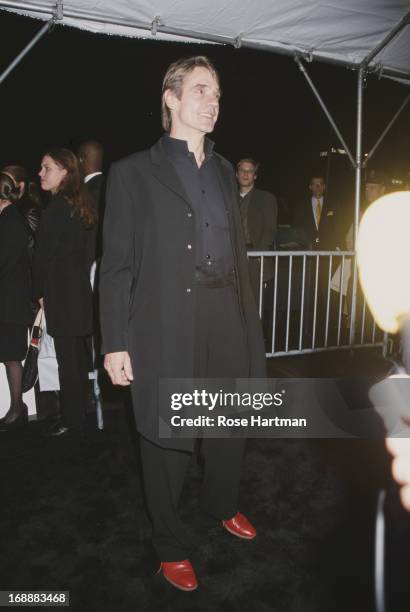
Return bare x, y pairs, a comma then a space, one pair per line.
317, 175
174, 80
248, 160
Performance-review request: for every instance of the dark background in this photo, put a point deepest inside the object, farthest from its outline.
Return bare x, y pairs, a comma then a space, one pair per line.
75, 85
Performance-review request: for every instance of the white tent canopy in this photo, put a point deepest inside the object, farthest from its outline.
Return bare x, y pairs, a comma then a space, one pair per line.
345, 32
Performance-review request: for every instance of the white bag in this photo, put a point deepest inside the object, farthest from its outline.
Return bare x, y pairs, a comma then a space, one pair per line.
47, 363
335, 282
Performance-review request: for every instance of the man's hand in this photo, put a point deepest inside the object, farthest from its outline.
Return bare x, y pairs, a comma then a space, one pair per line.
118, 366
41, 302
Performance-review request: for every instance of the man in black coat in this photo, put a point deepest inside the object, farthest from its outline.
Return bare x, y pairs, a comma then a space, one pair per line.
90, 157
259, 214
176, 301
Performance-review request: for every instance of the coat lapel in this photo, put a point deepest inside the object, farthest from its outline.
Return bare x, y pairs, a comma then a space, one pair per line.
311, 218
165, 172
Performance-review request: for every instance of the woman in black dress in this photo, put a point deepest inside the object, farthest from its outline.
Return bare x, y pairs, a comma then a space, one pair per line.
15, 312
61, 280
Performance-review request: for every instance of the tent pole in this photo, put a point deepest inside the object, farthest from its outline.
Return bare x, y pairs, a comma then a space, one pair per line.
26, 49
392, 34
358, 166
359, 157
383, 134
324, 108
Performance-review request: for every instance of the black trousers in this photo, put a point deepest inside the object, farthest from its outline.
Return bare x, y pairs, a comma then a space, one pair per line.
220, 352
72, 359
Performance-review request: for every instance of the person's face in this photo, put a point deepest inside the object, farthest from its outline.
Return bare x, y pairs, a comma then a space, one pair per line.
51, 174
197, 110
246, 175
373, 191
317, 187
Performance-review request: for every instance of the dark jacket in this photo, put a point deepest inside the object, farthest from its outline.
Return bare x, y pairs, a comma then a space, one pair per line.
262, 225
32, 216
96, 189
328, 237
14, 268
60, 273
147, 287
262, 219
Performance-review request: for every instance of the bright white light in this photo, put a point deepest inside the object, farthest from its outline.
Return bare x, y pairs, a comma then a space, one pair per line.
383, 256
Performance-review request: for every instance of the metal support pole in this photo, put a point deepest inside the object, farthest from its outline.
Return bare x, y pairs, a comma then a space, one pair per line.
385, 343
324, 108
386, 40
383, 134
27, 48
359, 138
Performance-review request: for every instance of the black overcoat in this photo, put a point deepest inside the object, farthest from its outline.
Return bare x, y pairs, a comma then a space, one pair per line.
14, 268
262, 226
96, 189
262, 219
60, 270
147, 288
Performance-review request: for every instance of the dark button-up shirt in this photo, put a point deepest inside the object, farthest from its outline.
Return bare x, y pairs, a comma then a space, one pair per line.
213, 250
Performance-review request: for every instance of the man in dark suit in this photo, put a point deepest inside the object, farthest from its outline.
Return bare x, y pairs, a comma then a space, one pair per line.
317, 220
319, 229
176, 302
259, 213
375, 186
90, 156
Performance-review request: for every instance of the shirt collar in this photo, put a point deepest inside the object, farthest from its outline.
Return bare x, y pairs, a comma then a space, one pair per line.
179, 148
245, 195
90, 176
315, 199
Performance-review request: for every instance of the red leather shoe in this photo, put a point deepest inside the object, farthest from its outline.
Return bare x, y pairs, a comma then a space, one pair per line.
240, 527
180, 574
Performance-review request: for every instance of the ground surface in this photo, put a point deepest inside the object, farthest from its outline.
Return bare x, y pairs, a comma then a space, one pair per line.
73, 518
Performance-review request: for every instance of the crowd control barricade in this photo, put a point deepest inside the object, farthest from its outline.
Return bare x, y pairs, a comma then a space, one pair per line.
305, 301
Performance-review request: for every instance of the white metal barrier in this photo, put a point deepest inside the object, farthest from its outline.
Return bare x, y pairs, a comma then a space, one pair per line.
306, 304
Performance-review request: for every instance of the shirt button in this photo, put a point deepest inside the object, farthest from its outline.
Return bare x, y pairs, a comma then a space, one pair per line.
188, 290
189, 247
189, 214
203, 191
208, 256
207, 224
